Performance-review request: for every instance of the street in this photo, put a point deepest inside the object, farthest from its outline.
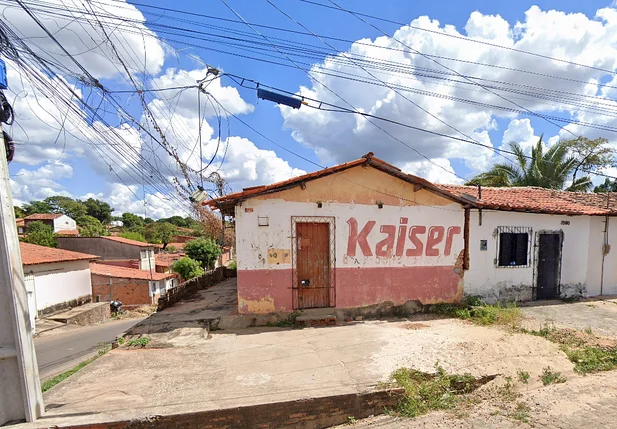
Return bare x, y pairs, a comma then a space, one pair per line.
60, 352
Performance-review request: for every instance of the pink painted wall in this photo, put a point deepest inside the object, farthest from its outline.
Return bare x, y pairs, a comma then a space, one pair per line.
264, 291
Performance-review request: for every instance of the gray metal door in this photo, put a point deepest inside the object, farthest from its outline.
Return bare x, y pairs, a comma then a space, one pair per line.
549, 265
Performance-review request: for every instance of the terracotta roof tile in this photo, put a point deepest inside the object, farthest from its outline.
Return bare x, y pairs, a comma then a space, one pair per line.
19, 221
126, 273
128, 241
43, 216
33, 254
166, 259
537, 200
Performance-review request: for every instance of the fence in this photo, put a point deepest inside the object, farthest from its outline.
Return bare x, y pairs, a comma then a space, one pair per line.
191, 286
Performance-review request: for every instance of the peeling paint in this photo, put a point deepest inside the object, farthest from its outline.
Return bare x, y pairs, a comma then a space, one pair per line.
260, 306
573, 290
278, 256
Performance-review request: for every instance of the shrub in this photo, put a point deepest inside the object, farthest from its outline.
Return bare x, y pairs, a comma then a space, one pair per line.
132, 235
204, 250
233, 265
187, 268
549, 376
41, 234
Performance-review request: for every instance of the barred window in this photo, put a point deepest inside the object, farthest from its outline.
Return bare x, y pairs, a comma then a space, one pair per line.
513, 250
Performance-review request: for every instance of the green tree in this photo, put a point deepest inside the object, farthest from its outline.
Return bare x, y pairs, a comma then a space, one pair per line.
171, 249
550, 169
187, 268
41, 234
91, 227
608, 186
99, 210
161, 232
148, 221
130, 220
19, 213
131, 235
67, 206
36, 207
590, 155
175, 220
204, 250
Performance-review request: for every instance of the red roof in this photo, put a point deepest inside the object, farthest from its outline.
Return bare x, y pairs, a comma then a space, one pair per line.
178, 246
19, 221
166, 259
128, 241
43, 216
71, 232
538, 200
228, 201
33, 254
127, 273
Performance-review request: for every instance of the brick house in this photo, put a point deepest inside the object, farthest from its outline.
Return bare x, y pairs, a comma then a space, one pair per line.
62, 224
130, 286
113, 248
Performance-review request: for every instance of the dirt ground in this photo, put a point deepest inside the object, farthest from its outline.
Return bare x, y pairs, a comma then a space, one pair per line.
188, 371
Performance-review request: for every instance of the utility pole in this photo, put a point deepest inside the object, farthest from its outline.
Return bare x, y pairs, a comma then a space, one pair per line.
20, 387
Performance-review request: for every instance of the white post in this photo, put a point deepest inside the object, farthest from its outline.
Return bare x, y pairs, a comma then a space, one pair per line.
20, 387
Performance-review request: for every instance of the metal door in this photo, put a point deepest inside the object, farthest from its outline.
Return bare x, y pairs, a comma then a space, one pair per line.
549, 265
313, 264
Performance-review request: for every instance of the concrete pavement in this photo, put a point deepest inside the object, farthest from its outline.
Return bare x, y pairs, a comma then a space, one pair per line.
63, 350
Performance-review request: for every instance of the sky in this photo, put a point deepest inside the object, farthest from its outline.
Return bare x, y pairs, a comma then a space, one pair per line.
403, 68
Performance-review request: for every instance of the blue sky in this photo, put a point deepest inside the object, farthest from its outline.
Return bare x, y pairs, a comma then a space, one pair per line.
341, 138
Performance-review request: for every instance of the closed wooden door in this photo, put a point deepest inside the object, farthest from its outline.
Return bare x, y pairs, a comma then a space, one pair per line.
313, 264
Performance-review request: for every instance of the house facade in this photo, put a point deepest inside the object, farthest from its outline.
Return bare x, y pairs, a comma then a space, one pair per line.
55, 279
132, 287
113, 248
355, 235
364, 233
59, 222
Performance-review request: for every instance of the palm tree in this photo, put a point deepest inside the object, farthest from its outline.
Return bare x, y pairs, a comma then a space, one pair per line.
546, 170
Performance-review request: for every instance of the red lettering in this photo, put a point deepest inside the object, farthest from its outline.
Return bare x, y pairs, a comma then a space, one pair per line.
360, 239
385, 246
435, 236
402, 235
452, 231
413, 236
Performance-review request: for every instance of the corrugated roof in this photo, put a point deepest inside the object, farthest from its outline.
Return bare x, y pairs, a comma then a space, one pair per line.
126, 273
538, 200
33, 254
43, 216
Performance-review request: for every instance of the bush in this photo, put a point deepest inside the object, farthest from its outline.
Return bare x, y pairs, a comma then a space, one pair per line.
131, 235
171, 249
41, 234
187, 268
233, 265
204, 250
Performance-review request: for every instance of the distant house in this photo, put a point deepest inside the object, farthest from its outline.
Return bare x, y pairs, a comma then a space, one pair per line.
130, 286
55, 279
21, 226
113, 248
116, 223
164, 261
59, 222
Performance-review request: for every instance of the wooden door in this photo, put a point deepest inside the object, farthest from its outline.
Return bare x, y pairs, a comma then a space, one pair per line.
549, 261
313, 264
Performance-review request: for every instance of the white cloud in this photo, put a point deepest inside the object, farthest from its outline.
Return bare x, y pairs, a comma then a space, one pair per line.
28, 185
337, 137
521, 132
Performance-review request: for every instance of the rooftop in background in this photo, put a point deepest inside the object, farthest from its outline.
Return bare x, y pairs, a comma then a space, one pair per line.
127, 273
538, 200
166, 259
69, 232
33, 254
19, 221
43, 216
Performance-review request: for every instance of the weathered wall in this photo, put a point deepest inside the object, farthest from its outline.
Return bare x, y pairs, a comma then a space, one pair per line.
60, 283
130, 292
494, 283
610, 262
63, 223
407, 250
106, 249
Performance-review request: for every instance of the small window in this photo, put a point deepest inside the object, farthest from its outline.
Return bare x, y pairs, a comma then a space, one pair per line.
513, 250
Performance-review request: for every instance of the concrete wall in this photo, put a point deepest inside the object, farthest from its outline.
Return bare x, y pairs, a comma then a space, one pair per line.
59, 283
580, 267
131, 292
63, 223
106, 249
411, 249
609, 286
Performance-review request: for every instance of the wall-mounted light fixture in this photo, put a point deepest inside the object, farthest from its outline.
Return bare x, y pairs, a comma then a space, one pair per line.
319, 204
380, 204
263, 221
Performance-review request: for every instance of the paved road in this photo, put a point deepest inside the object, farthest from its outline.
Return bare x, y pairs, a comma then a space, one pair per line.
60, 352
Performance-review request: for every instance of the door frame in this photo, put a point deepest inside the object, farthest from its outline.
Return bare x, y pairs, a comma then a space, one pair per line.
536, 260
330, 220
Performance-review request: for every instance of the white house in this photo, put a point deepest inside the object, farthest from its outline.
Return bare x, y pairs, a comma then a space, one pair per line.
60, 223
365, 233
55, 278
